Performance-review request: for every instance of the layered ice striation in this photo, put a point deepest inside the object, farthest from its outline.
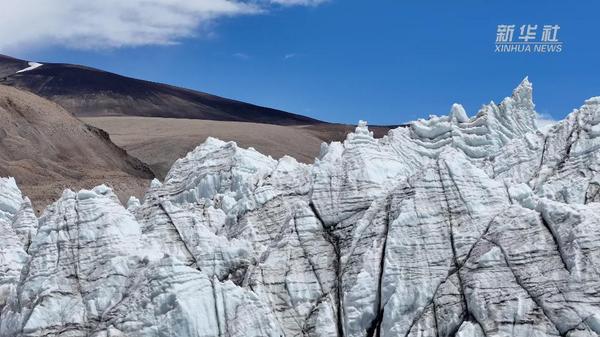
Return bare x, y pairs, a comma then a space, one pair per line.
450, 226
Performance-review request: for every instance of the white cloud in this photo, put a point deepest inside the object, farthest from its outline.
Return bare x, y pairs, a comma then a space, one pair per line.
545, 122
85, 24
289, 56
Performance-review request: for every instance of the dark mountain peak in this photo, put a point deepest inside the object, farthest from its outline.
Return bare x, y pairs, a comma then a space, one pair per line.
86, 91
10, 65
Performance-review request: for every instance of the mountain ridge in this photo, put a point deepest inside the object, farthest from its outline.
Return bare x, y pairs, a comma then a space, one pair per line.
87, 91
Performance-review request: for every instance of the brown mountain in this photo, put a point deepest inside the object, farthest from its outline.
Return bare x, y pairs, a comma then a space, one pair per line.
90, 92
47, 149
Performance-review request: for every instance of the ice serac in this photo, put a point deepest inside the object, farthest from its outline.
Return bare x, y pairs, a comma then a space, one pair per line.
571, 158
92, 270
13, 254
428, 245
452, 226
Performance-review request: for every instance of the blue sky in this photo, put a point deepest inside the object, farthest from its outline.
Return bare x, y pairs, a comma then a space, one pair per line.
384, 61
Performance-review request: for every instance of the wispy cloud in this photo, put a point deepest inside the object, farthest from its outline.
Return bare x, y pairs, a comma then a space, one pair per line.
545, 122
241, 56
289, 56
298, 2
85, 24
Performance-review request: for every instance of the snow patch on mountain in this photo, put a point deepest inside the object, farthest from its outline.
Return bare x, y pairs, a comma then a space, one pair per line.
32, 65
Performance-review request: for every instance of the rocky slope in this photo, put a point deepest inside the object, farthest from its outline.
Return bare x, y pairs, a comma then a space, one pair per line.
453, 226
47, 150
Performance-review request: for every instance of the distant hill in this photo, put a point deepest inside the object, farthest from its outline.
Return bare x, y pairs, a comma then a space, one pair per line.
88, 92
159, 142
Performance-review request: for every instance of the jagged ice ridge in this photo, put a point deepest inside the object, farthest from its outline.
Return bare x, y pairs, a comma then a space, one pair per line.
451, 226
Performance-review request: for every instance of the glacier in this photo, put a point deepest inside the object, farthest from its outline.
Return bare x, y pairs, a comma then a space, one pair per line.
450, 226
